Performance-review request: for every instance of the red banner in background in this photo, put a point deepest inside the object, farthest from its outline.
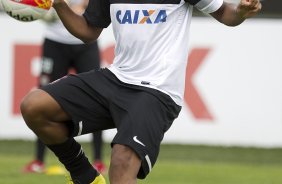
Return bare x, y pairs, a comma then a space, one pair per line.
24, 80
192, 96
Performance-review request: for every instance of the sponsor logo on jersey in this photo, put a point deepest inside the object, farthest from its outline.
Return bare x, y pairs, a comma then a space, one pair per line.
141, 16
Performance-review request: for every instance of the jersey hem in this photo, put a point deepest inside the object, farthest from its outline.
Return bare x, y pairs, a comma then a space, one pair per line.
116, 73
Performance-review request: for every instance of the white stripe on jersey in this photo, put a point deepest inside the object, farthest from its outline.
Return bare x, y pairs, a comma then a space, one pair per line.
208, 6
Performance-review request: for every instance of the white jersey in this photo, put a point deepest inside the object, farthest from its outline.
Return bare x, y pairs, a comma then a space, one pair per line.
56, 30
152, 41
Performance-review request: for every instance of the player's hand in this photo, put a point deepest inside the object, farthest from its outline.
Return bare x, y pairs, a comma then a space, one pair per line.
248, 8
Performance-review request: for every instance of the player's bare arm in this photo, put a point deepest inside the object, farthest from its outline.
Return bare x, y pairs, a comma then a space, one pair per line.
75, 23
233, 15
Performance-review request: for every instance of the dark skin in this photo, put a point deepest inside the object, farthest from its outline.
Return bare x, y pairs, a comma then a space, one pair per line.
46, 118
233, 15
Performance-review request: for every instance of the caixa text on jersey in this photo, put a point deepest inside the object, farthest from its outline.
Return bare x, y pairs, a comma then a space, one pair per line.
141, 16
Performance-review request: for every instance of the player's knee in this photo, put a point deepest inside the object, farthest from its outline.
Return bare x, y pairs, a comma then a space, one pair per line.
30, 107
122, 157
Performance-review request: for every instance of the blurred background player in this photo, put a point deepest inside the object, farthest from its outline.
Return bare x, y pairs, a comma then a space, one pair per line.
61, 53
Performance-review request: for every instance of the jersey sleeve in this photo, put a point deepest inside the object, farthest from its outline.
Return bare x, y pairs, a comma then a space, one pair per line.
97, 13
206, 6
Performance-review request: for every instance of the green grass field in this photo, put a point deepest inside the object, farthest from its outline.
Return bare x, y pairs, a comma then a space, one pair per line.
177, 164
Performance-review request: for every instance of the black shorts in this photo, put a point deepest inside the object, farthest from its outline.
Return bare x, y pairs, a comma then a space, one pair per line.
97, 100
58, 58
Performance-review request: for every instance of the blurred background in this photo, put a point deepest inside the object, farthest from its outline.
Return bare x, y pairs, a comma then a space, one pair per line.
229, 130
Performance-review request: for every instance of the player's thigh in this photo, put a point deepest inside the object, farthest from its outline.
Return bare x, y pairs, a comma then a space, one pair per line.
142, 126
39, 104
83, 103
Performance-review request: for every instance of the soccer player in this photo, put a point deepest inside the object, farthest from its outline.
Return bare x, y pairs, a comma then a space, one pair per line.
140, 94
62, 52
